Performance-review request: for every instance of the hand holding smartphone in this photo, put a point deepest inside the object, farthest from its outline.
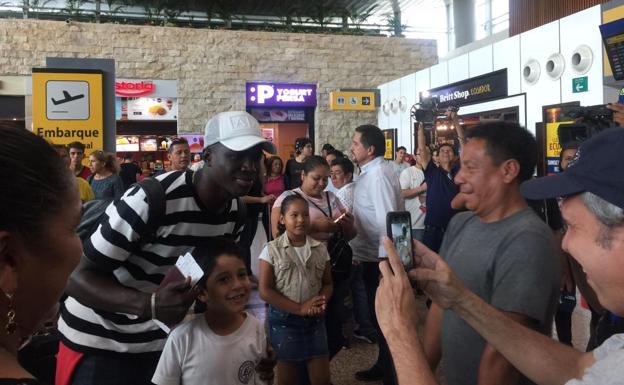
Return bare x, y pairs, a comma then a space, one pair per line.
399, 230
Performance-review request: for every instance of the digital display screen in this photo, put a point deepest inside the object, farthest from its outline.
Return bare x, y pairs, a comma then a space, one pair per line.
613, 39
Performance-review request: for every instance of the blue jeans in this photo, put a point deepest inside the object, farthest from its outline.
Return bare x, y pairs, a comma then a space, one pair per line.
296, 338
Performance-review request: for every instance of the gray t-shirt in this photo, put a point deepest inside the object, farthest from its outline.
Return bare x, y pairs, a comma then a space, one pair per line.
608, 369
511, 264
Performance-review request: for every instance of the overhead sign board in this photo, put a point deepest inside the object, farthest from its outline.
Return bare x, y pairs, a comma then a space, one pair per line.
352, 101
67, 106
280, 94
474, 90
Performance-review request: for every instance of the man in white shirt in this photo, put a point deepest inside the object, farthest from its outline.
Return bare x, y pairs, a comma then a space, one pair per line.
413, 189
377, 191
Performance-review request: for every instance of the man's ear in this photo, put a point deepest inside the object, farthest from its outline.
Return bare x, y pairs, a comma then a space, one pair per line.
8, 264
510, 170
371, 150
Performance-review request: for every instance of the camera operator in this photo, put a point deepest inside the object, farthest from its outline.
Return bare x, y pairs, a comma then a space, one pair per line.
593, 208
440, 186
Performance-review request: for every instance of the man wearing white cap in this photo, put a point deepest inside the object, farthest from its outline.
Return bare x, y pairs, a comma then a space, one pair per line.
115, 294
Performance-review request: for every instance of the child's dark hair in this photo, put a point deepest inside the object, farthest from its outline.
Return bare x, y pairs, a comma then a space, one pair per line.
284, 207
208, 252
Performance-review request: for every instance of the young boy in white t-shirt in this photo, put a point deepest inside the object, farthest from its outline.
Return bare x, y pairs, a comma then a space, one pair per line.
223, 346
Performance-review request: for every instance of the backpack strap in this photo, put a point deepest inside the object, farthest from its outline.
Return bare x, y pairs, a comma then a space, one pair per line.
328, 204
157, 205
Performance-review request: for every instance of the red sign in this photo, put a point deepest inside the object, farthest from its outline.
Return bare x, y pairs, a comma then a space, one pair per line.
134, 89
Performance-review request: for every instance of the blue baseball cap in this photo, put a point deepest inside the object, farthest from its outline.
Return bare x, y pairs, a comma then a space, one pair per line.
595, 168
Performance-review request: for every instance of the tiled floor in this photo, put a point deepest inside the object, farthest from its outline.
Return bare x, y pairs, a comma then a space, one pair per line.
360, 355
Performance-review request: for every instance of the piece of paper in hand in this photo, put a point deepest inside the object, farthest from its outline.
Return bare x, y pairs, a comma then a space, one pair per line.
189, 268
185, 266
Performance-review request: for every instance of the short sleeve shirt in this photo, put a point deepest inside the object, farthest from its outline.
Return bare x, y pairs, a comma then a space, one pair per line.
316, 212
194, 354
293, 174
511, 264
116, 246
412, 178
440, 192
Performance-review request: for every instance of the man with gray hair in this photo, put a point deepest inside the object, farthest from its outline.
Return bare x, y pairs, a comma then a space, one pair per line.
592, 192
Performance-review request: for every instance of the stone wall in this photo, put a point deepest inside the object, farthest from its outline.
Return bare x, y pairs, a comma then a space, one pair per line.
211, 66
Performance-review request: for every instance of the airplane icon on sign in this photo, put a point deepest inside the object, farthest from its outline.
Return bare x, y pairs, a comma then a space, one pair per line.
68, 98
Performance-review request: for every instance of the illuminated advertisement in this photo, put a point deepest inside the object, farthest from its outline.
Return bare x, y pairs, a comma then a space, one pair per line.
280, 95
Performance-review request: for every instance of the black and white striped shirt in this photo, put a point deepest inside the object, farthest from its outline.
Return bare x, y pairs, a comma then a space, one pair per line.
116, 246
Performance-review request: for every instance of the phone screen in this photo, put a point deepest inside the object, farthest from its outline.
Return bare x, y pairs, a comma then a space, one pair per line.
399, 227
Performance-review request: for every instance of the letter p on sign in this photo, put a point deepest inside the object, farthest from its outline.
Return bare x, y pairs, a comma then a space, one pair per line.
264, 92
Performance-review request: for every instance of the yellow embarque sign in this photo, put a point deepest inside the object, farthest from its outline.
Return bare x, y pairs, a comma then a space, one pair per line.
67, 106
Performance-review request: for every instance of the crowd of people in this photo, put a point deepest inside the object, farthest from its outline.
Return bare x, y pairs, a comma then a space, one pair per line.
491, 267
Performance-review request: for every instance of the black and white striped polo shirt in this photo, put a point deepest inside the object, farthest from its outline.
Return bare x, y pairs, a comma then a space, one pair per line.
116, 246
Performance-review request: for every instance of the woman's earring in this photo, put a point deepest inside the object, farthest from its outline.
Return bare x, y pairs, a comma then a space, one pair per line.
11, 325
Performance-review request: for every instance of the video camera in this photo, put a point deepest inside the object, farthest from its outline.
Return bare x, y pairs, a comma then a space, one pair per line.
428, 111
589, 121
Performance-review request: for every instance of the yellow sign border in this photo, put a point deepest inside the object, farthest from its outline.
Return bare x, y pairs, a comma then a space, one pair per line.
334, 106
89, 131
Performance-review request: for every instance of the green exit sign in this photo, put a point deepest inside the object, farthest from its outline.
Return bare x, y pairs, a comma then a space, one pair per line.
579, 85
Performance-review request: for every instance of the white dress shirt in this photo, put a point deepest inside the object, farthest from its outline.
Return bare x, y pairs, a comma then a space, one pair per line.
377, 192
345, 194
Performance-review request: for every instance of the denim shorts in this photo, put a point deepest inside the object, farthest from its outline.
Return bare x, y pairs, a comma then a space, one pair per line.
297, 338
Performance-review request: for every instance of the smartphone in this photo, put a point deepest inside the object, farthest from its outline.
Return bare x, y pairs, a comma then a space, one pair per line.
399, 229
339, 218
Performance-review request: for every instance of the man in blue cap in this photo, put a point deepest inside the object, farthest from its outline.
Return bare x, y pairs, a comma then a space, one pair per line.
592, 205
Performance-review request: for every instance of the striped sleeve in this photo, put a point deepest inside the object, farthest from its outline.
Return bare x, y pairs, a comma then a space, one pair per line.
116, 238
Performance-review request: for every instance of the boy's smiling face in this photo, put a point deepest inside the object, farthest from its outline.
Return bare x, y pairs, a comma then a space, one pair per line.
227, 288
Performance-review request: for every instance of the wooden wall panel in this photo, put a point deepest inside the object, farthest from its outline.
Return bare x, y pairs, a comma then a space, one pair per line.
528, 14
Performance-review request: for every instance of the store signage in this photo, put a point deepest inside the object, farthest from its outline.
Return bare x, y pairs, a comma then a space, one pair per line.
68, 106
280, 95
479, 89
579, 85
278, 115
149, 109
352, 101
134, 89
390, 136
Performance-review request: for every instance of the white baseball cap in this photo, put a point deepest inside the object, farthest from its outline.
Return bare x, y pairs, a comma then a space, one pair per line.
236, 130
